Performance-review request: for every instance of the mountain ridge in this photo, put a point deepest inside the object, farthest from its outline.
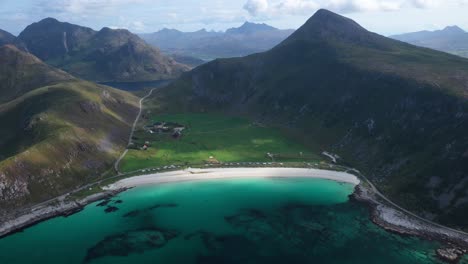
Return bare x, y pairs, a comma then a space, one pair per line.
451, 39
105, 55
206, 45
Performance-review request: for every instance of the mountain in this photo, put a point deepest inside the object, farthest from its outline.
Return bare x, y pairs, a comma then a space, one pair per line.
22, 72
248, 39
250, 28
452, 39
105, 55
396, 112
58, 132
6, 38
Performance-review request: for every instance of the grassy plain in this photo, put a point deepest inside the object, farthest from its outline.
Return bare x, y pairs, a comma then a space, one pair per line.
225, 138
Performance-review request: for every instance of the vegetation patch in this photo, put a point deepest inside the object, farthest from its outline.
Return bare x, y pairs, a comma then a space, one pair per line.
209, 138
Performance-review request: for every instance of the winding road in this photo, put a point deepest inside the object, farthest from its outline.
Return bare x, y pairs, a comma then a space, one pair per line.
132, 132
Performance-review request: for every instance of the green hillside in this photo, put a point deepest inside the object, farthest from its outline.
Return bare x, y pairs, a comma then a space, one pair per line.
21, 72
56, 137
395, 111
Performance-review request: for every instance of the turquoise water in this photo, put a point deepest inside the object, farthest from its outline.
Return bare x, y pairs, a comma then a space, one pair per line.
229, 221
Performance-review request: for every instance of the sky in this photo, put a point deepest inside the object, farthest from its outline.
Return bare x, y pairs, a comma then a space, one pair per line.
386, 17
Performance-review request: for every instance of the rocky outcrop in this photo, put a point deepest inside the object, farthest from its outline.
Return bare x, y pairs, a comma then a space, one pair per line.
12, 188
455, 243
452, 255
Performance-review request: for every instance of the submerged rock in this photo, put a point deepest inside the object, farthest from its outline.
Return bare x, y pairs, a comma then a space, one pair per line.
131, 242
111, 209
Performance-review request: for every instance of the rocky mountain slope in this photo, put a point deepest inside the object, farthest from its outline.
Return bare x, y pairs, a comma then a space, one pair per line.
451, 39
58, 132
395, 111
235, 42
106, 55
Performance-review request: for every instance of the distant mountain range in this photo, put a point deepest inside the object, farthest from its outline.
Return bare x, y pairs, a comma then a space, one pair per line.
58, 132
207, 45
396, 112
105, 55
451, 39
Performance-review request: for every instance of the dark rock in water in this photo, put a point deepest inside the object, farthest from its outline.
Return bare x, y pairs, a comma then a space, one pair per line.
137, 212
133, 213
104, 203
132, 242
118, 201
168, 205
111, 209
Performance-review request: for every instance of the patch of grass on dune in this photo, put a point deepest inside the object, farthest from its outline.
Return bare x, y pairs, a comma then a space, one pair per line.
227, 139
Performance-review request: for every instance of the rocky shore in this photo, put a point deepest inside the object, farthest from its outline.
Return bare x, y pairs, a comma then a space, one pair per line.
455, 243
59, 207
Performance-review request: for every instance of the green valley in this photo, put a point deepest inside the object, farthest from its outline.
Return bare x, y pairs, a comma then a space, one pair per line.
212, 139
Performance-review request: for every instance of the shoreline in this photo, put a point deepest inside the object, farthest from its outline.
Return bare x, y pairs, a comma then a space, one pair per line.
45, 212
454, 243
61, 207
231, 173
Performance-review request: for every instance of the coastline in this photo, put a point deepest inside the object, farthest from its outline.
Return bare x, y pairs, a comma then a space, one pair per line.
45, 212
61, 207
455, 243
231, 173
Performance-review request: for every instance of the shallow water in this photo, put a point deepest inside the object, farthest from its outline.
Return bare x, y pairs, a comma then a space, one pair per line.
225, 221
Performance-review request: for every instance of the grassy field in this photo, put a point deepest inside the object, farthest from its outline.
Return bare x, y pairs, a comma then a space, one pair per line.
227, 139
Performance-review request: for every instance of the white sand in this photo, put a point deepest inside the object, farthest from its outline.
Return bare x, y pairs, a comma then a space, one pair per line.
232, 173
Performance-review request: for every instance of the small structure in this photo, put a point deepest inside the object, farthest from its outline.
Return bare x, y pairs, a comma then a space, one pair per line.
212, 160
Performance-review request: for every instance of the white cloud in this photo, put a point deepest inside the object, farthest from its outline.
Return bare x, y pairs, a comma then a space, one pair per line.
79, 7
255, 7
424, 3
349, 6
297, 6
300, 7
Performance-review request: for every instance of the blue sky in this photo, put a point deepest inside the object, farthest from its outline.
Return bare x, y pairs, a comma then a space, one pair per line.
382, 16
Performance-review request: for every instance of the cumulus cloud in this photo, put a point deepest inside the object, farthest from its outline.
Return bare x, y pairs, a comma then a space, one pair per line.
297, 6
349, 6
84, 6
255, 7
293, 7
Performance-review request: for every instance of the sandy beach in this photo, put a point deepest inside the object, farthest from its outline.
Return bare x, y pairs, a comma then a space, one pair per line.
232, 173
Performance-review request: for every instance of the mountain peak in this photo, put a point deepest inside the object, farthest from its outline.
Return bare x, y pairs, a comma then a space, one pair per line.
326, 20
48, 20
325, 25
453, 29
